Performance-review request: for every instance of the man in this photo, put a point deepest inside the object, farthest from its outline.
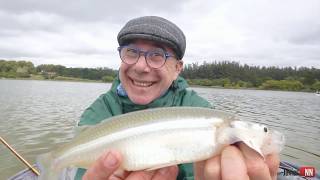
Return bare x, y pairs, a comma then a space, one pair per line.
151, 50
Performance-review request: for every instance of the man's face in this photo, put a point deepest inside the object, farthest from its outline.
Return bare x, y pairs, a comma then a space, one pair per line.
144, 84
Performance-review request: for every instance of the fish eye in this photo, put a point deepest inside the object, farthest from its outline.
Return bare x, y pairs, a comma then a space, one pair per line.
265, 129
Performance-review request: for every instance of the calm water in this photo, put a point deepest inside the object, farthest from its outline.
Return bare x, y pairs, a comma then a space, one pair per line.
37, 115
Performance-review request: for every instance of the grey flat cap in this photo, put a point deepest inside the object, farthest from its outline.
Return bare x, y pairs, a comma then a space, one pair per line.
155, 29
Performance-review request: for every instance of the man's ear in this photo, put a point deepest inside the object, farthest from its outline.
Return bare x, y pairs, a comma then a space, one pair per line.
179, 66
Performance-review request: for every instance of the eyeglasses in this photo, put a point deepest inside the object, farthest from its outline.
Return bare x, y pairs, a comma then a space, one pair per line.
155, 58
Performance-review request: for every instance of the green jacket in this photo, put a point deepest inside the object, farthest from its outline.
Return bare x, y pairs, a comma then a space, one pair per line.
111, 104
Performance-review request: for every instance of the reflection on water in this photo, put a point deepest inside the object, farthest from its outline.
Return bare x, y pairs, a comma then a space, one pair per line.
35, 116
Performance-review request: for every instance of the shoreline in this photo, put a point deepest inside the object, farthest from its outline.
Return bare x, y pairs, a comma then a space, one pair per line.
68, 79
63, 80
241, 88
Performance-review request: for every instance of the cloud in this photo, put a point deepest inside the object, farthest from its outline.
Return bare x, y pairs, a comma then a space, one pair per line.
83, 33
261, 33
95, 10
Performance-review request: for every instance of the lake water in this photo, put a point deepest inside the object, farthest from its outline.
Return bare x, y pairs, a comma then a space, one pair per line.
35, 116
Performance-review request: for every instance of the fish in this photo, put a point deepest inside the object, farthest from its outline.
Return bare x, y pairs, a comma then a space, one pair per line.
159, 137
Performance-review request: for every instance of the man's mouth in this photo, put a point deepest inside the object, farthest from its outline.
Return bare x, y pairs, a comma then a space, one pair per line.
142, 83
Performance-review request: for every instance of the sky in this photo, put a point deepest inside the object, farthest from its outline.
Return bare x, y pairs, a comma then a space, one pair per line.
83, 33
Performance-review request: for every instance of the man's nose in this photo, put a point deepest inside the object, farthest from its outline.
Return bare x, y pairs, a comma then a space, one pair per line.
142, 64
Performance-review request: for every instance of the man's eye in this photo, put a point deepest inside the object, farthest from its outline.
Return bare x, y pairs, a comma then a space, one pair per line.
133, 53
155, 54
130, 50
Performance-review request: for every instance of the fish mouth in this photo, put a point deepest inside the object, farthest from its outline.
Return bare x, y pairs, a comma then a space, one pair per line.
275, 142
278, 138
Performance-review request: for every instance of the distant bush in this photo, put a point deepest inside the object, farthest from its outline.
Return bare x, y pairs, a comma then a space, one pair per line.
22, 72
244, 84
223, 82
62, 78
206, 82
37, 77
107, 78
316, 85
290, 85
14, 69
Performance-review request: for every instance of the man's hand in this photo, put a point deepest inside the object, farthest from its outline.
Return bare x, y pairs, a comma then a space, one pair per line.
107, 167
238, 162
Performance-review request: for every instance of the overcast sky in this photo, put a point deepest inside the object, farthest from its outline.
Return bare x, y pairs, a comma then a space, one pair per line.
82, 33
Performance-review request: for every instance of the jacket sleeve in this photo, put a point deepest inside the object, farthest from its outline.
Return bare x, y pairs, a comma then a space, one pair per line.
102, 108
191, 98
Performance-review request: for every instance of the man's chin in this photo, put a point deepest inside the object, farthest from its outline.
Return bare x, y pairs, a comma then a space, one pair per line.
140, 100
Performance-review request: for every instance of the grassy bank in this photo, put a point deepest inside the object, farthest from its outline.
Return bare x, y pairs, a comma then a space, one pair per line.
58, 78
277, 85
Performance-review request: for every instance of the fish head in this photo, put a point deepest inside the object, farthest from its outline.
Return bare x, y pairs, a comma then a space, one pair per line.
273, 143
258, 137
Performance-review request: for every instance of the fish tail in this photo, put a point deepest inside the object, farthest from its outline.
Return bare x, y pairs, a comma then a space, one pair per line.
48, 171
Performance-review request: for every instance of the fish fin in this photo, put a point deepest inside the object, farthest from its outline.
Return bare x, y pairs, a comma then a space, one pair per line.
232, 135
79, 129
47, 170
253, 146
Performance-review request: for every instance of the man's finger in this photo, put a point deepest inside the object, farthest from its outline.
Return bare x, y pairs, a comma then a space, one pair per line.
104, 167
256, 166
233, 165
119, 174
212, 168
273, 162
198, 170
167, 173
143, 175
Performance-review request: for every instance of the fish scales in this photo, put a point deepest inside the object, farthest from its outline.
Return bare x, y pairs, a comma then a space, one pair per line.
136, 118
151, 122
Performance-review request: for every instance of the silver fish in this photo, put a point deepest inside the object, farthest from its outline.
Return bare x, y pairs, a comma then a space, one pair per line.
160, 137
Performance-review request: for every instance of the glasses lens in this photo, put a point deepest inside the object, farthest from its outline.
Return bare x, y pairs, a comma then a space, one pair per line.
156, 58
129, 55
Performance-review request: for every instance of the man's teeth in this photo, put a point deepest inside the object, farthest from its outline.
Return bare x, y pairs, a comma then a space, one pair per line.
143, 84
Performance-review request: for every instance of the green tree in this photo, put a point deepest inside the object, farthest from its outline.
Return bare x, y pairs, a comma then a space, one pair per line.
282, 85
316, 86
23, 72
107, 78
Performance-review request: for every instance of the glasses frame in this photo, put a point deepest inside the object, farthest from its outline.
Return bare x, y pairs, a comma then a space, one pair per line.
145, 54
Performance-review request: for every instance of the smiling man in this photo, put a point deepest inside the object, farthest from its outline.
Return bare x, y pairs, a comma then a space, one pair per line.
147, 79
151, 50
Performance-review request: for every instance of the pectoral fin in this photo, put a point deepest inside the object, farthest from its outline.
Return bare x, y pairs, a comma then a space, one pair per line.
161, 166
233, 135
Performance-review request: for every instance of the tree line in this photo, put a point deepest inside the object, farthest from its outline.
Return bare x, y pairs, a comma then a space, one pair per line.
234, 75
224, 74
25, 69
